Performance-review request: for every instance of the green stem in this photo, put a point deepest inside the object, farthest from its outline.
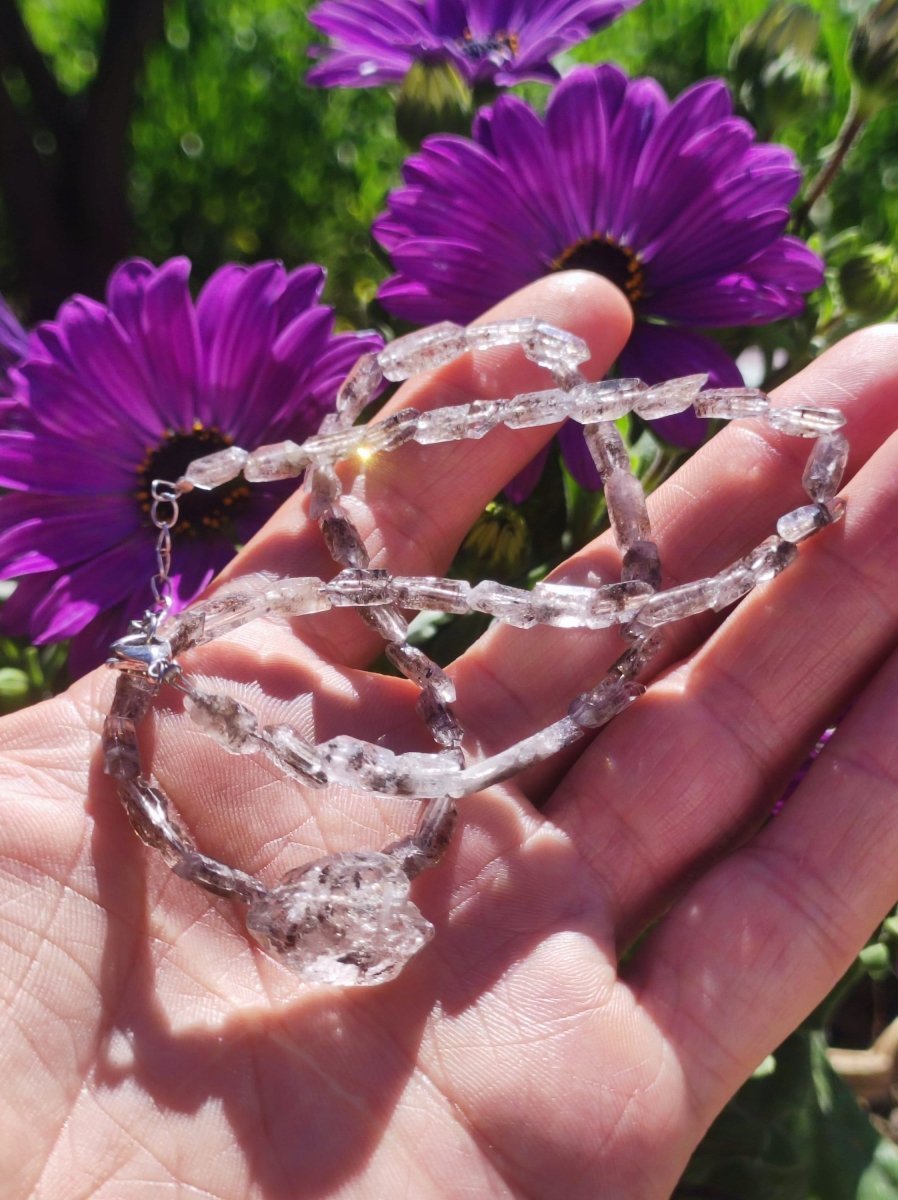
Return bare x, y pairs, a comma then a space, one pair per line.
854, 122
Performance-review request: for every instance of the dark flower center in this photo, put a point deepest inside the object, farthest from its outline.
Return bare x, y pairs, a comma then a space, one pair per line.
200, 512
500, 46
604, 256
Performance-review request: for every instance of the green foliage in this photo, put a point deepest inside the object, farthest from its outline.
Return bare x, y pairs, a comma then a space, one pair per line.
793, 1132
234, 158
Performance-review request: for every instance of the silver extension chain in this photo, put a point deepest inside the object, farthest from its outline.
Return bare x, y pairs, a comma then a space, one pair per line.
164, 514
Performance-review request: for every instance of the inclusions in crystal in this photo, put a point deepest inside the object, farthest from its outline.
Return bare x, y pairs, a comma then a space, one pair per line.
348, 919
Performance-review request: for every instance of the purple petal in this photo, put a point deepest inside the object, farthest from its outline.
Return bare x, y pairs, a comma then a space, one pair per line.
577, 457
522, 485
656, 353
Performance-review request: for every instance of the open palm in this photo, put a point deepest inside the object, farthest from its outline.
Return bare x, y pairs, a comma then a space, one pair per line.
150, 1049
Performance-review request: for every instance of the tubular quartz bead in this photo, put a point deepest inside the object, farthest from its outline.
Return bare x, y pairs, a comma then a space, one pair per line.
217, 877
387, 620
536, 408
342, 538
731, 403
422, 351
732, 584
134, 693
607, 448
329, 448
354, 587
678, 602
512, 605
121, 753
416, 666
800, 523
439, 719
642, 564
147, 808
597, 707
448, 424
227, 720
280, 460
389, 434
359, 388
805, 420
212, 470
627, 510
420, 592
826, 465
771, 557
666, 399
296, 756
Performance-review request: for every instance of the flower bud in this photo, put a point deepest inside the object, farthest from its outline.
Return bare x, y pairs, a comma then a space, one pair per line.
784, 28
500, 540
775, 71
869, 282
873, 56
433, 98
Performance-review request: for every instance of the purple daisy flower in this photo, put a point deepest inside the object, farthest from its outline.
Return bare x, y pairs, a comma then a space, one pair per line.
375, 42
13, 347
674, 201
114, 395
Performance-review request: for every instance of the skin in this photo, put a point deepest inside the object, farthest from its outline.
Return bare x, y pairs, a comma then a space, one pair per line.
150, 1049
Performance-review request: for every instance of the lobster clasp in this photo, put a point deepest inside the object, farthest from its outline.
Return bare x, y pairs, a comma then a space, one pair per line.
143, 650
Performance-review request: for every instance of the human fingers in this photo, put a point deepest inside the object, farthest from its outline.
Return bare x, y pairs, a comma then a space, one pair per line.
413, 506
749, 950
722, 502
702, 757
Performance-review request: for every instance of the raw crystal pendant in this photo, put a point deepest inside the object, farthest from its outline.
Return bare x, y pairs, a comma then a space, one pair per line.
342, 920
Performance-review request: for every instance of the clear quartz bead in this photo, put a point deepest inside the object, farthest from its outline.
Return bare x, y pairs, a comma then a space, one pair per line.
421, 592
356, 587
415, 665
427, 845
342, 538
148, 811
666, 399
334, 447
439, 719
607, 400
387, 620
212, 470
826, 465
771, 557
423, 350
228, 610
294, 755
805, 420
597, 707
442, 425
679, 602
499, 333
280, 460
216, 877
359, 388
343, 921
799, 524
227, 720
512, 605
536, 408
642, 563
731, 403
387, 435
554, 348
296, 597
121, 753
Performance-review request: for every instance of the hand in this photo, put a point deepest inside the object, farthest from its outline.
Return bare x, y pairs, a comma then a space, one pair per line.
150, 1048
